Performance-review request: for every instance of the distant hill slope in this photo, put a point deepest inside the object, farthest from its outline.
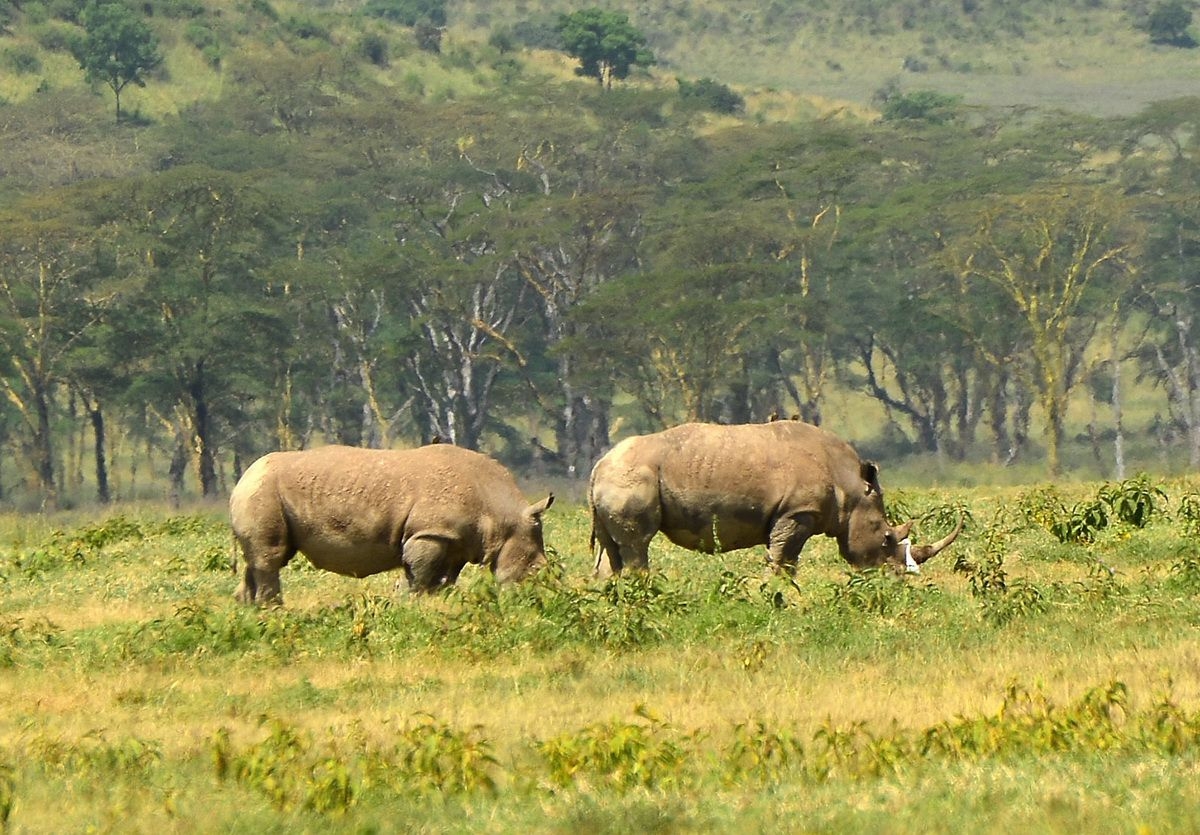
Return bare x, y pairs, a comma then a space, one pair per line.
1088, 57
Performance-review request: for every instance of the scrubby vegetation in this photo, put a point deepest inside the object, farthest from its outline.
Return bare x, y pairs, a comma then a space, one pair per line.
703, 695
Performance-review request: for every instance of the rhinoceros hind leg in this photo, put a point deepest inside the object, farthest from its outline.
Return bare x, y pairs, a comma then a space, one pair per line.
608, 553
260, 578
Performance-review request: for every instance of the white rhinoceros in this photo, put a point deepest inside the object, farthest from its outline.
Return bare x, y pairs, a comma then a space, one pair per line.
716, 488
358, 512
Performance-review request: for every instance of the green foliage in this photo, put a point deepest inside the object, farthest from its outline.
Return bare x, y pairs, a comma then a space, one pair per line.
1001, 599
711, 95
23, 60
8, 793
117, 48
292, 770
1189, 513
1168, 23
621, 755
95, 757
763, 754
920, 106
206, 40
374, 47
876, 591
1082, 523
308, 27
606, 44
408, 12
1132, 502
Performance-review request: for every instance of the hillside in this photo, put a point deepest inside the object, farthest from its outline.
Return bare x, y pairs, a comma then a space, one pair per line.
1088, 57
387, 226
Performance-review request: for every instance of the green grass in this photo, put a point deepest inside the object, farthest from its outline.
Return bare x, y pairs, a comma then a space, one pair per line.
1019, 682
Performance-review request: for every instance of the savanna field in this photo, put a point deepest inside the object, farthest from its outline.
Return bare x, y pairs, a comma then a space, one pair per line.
1041, 675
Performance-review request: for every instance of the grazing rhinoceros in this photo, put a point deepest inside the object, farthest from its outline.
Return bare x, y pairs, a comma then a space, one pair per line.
716, 488
358, 512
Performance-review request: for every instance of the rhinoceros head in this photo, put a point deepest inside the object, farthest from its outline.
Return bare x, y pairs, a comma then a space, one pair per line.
523, 551
870, 541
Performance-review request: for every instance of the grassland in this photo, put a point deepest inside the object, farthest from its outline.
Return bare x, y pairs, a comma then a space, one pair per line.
1019, 682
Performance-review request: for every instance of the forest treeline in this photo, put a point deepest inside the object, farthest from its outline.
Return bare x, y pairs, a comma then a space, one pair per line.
315, 255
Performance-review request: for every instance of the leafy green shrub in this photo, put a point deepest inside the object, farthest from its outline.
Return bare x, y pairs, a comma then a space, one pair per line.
436, 759
54, 37
94, 756
115, 529
761, 754
1168, 23
623, 755
23, 60
199, 35
1189, 513
1040, 506
1133, 501
876, 591
279, 767
180, 9
8, 793
264, 8
921, 106
1082, 523
1001, 599
408, 12
294, 771
1185, 572
538, 33
710, 95
374, 47
307, 28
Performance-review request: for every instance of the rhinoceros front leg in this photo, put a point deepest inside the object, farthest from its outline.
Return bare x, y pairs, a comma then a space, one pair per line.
427, 564
787, 538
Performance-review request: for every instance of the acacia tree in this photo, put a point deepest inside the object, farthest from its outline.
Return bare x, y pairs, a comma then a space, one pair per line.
117, 47
208, 324
56, 289
1050, 253
606, 44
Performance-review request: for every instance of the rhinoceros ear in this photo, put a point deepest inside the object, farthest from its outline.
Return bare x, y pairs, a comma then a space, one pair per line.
870, 475
537, 509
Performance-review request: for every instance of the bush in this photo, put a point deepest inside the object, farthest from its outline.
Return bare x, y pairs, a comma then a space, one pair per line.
408, 12
920, 105
23, 60
374, 47
1168, 24
55, 37
307, 28
710, 95
541, 33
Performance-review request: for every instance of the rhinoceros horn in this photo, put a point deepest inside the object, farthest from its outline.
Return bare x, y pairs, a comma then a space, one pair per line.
923, 553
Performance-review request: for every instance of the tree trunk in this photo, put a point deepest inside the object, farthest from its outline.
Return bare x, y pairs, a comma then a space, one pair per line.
101, 456
1117, 406
43, 449
206, 469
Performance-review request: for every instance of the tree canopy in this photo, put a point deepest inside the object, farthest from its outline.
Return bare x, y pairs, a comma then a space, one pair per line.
117, 47
606, 44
